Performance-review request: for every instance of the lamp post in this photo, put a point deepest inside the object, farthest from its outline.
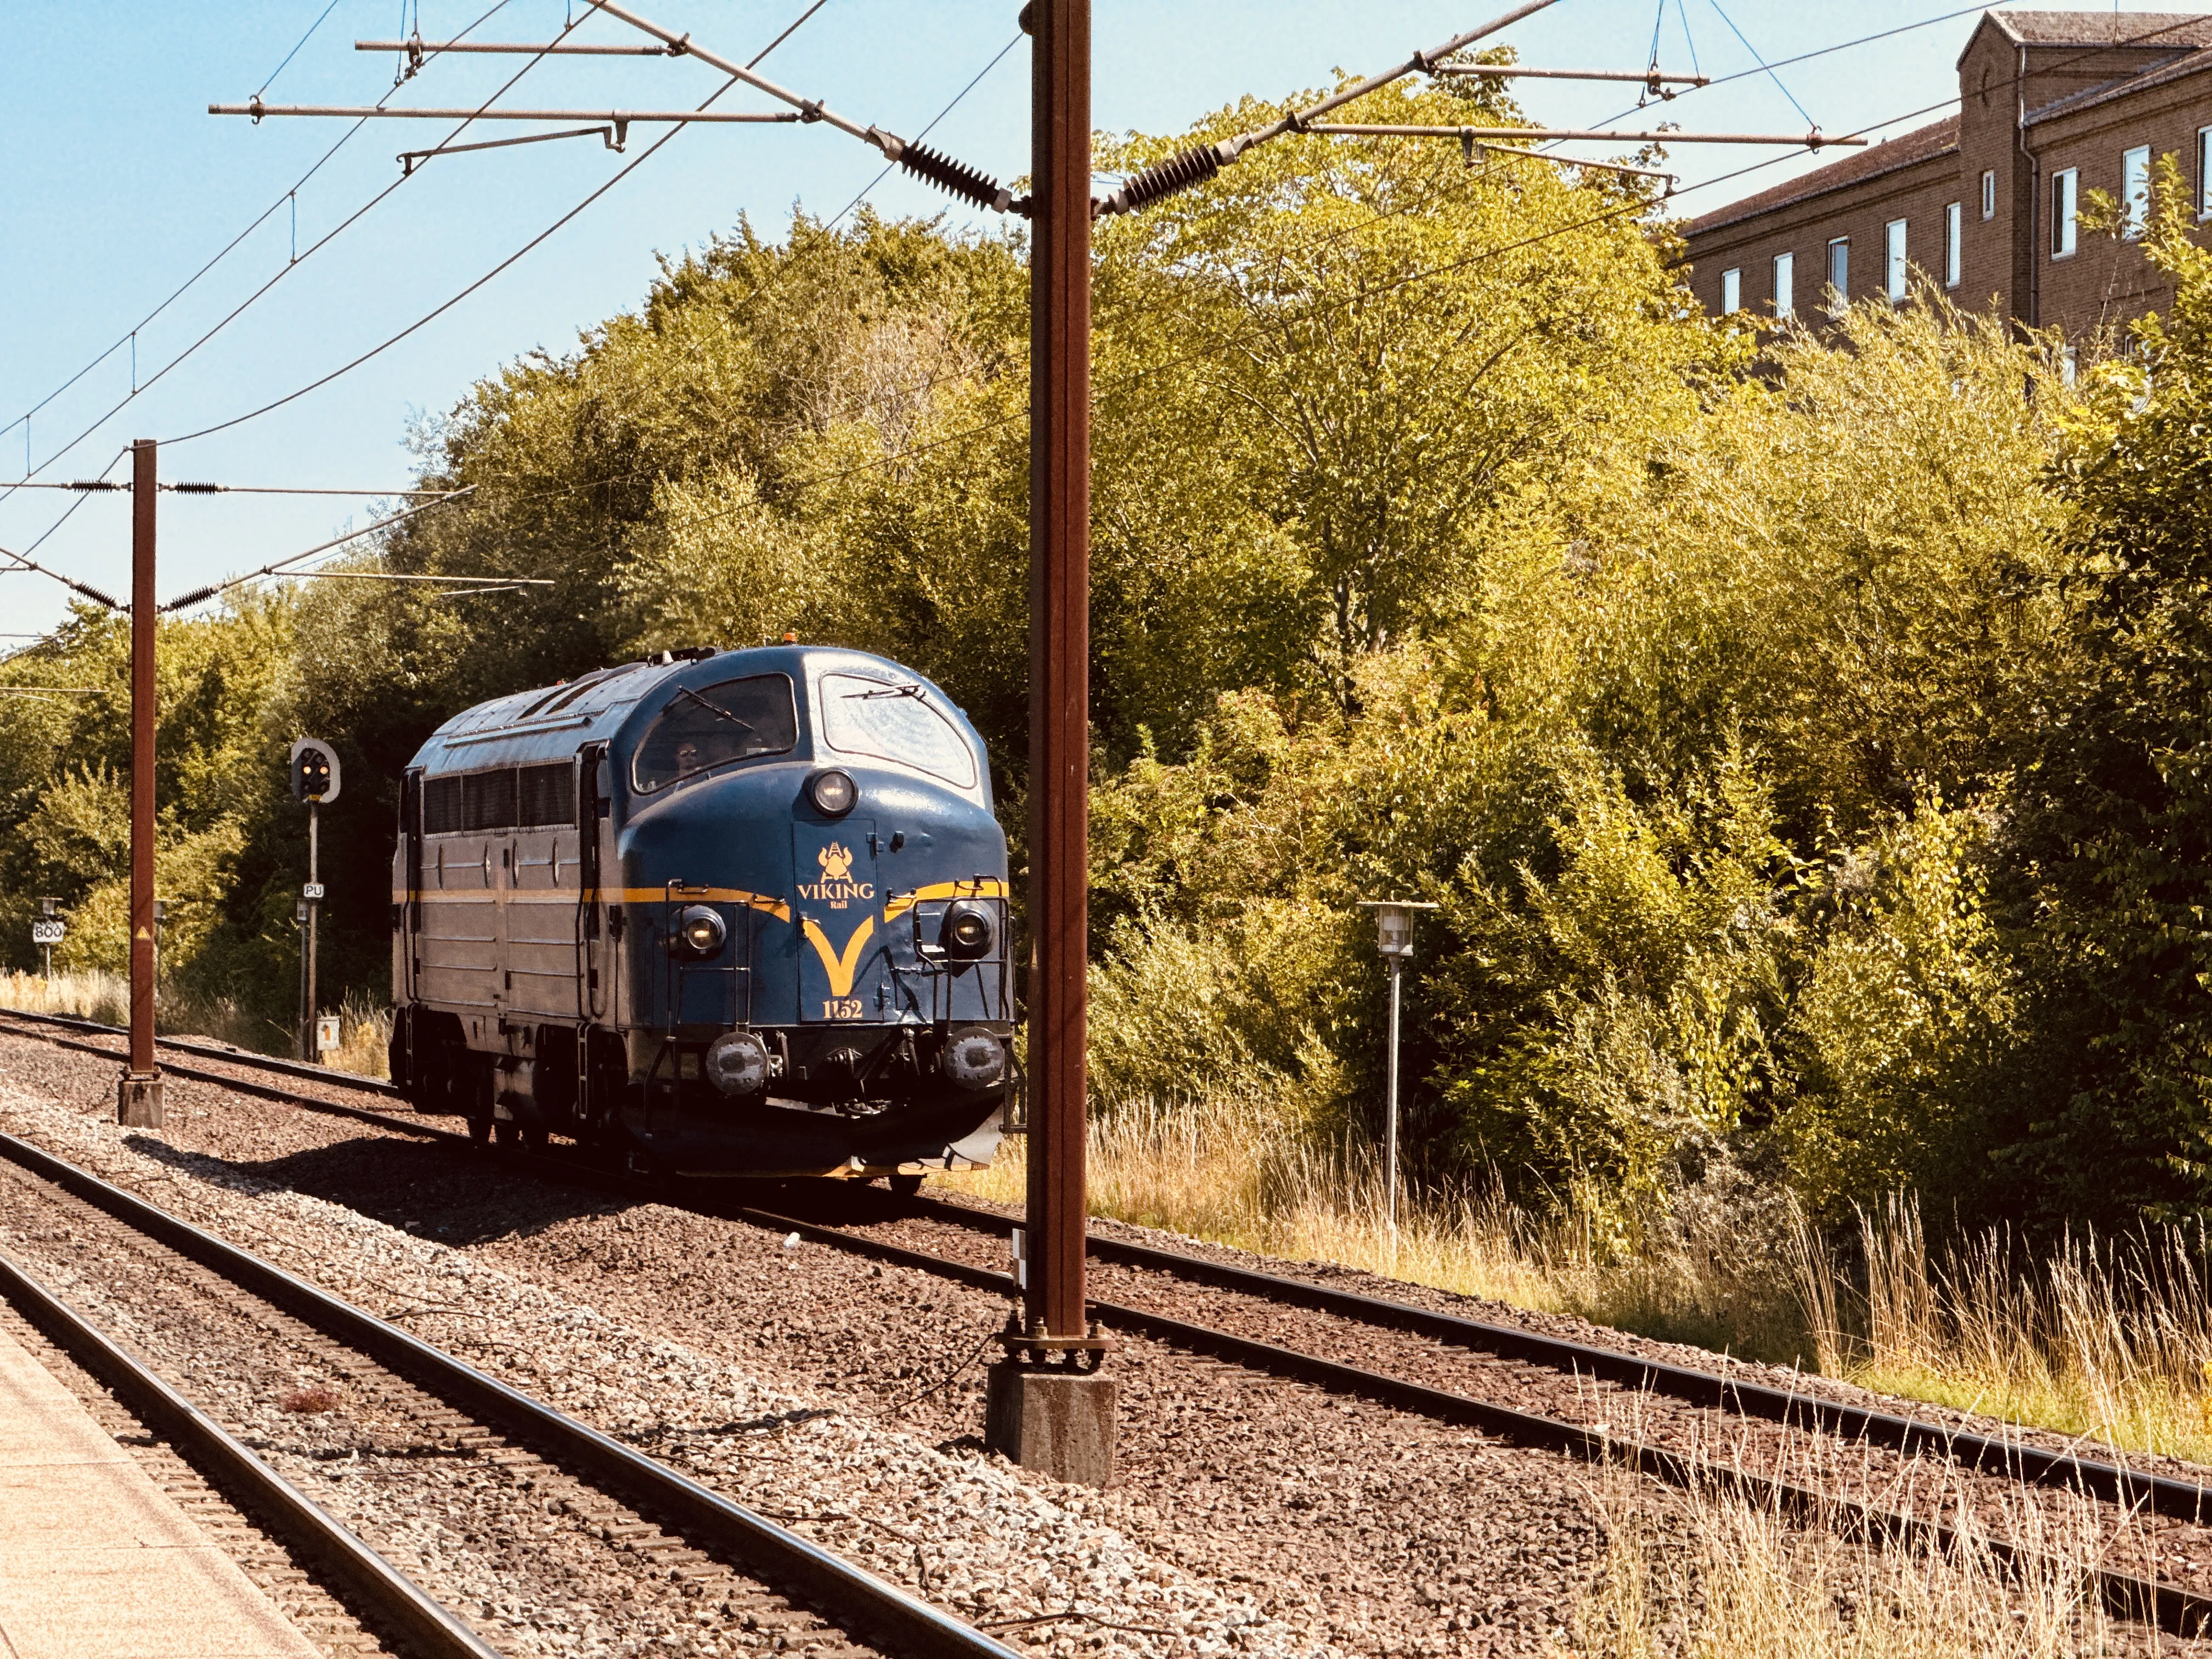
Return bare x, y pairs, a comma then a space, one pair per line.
1394, 939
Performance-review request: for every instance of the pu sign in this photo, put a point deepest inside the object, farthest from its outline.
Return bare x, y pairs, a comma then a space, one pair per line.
836, 888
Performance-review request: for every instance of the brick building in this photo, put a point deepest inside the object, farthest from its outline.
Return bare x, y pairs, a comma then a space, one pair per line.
1987, 202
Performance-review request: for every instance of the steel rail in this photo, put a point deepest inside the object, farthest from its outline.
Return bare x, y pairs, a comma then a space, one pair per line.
2173, 1608
2165, 1495
881, 1610
299, 1068
375, 1584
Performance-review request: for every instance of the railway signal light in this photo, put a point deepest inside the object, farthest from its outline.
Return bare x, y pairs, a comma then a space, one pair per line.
314, 772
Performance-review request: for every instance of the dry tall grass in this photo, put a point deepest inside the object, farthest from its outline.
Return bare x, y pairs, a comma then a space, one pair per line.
2107, 1337
2111, 1341
363, 1029
1222, 1168
1714, 1574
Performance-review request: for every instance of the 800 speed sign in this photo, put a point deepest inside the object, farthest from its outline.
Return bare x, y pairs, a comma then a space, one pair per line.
47, 933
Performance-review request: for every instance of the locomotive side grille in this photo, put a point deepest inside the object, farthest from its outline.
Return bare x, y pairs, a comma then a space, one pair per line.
548, 794
441, 806
488, 800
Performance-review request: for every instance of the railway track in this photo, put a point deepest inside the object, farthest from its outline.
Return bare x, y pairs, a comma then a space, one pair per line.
2179, 1608
367, 1582
460, 1414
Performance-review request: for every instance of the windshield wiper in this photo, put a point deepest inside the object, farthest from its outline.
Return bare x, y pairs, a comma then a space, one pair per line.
911, 689
744, 726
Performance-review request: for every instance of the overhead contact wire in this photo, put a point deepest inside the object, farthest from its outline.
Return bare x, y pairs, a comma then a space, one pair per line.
1222, 339
23, 561
932, 127
1761, 61
297, 258
429, 316
295, 52
1863, 39
200, 595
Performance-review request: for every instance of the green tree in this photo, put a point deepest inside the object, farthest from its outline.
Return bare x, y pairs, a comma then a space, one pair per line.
2110, 852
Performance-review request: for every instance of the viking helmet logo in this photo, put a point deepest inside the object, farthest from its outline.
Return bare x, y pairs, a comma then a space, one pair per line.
837, 862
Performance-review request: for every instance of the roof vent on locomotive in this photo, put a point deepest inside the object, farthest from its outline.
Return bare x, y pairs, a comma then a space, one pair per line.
737, 913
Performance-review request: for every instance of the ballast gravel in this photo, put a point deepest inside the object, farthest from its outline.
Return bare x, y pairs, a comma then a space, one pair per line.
1271, 1517
964, 1529
1250, 1515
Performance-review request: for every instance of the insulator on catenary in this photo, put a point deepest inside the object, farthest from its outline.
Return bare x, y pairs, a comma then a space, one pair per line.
184, 601
956, 177
196, 488
91, 593
1157, 183
96, 483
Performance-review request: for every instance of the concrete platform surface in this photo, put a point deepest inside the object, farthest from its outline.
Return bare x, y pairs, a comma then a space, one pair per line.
95, 1562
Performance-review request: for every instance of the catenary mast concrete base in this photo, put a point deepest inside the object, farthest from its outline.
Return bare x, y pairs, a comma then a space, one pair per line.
138, 1102
1058, 1422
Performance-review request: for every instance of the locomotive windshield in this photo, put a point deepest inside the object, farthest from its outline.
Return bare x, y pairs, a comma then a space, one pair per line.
706, 728
893, 720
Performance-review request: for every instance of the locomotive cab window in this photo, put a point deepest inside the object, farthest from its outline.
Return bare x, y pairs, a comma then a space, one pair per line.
714, 726
893, 720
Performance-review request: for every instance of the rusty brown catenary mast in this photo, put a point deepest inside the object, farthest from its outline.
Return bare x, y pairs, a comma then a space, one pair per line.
1050, 1408
1060, 654
138, 1095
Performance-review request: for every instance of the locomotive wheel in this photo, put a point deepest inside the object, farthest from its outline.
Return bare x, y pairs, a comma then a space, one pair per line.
906, 1186
518, 1137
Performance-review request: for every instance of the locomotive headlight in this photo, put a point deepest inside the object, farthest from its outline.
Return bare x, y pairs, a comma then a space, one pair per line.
967, 932
833, 792
700, 931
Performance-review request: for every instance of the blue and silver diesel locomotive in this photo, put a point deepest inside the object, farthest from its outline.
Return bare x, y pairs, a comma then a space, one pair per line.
722, 914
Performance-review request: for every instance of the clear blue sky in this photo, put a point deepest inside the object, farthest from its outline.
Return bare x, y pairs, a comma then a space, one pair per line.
118, 185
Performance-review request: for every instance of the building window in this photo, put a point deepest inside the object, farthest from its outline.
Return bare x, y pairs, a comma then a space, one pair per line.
1731, 290
1953, 253
2204, 173
1785, 285
1893, 262
2135, 192
1840, 272
2064, 199
1990, 191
